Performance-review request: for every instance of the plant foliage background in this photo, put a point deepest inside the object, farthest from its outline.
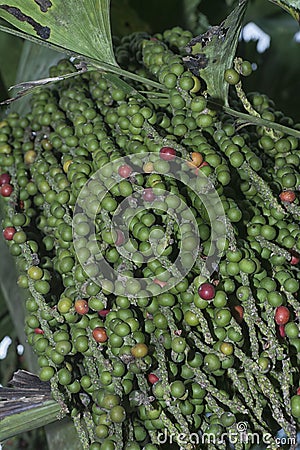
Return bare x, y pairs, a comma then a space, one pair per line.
277, 75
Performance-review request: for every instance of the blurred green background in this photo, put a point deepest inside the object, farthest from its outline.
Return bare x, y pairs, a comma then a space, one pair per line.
277, 75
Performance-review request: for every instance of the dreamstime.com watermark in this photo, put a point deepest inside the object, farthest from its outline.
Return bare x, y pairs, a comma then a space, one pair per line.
239, 435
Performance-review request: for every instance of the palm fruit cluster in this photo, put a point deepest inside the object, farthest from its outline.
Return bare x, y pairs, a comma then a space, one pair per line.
161, 364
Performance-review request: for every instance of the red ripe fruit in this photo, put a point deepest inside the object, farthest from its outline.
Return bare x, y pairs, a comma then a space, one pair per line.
203, 164
125, 171
148, 195
295, 259
159, 282
81, 307
281, 331
6, 190
8, 233
167, 153
206, 291
99, 334
4, 179
287, 196
282, 315
103, 312
152, 378
238, 313
298, 391
38, 331
120, 238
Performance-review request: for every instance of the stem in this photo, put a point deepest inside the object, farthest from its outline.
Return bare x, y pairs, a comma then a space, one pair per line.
230, 234
205, 348
91, 369
121, 72
294, 210
293, 302
203, 324
202, 379
248, 119
247, 394
258, 409
90, 426
81, 432
267, 390
150, 130
274, 349
262, 188
285, 385
58, 396
119, 435
275, 405
275, 249
246, 104
250, 317
173, 408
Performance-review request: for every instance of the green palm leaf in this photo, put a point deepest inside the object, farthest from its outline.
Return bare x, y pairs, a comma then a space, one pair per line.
291, 6
213, 52
26, 405
80, 26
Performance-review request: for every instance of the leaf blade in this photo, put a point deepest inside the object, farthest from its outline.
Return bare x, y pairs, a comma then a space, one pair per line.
36, 417
26, 405
80, 26
291, 6
213, 52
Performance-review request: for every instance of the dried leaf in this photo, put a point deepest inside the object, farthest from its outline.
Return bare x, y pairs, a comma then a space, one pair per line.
27, 87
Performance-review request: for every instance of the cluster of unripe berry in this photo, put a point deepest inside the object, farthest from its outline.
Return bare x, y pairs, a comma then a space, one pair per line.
216, 348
